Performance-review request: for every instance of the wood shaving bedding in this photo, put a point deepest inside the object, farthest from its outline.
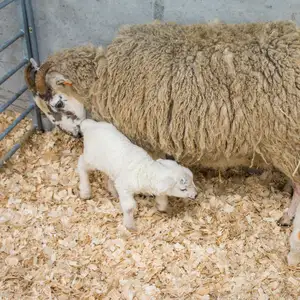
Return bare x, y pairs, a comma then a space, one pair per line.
53, 245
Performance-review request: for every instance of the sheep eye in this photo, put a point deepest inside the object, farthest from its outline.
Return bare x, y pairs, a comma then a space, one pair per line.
183, 190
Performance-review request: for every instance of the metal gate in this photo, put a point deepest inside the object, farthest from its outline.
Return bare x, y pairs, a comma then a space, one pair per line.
27, 32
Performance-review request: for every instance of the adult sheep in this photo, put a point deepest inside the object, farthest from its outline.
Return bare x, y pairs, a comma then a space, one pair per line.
219, 95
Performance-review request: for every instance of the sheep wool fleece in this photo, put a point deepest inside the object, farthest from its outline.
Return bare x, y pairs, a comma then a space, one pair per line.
219, 95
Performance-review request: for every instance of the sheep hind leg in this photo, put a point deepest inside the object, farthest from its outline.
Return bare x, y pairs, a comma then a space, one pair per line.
288, 187
84, 182
293, 257
288, 216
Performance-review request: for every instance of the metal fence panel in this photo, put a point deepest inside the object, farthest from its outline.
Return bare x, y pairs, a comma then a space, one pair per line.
28, 33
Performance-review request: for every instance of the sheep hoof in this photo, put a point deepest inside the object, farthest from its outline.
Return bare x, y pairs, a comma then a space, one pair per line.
285, 221
293, 258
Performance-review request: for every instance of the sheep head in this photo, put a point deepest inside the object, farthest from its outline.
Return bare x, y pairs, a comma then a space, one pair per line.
53, 93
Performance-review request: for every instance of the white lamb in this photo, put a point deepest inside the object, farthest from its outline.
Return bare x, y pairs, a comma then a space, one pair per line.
130, 169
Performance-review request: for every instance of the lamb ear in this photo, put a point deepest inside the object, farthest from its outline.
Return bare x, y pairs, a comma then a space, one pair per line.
165, 184
167, 162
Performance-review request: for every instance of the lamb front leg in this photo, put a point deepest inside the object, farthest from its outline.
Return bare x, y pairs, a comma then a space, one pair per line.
128, 205
288, 216
84, 182
162, 203
293, 257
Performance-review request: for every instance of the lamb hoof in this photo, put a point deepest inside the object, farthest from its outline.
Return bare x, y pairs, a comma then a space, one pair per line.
165, 210
86, 195
293, 258
285, 221
131, 228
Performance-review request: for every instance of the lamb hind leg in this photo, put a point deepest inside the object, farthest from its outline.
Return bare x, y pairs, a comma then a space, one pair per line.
288, 216
111, 188
84, 182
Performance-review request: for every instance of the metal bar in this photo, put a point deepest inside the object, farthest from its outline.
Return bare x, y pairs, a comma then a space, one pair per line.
14, 70
17, 121
30, 34
32, 31
158, 10
32, 51
13, 99
9, 42
4, 3
17, 146
26, 29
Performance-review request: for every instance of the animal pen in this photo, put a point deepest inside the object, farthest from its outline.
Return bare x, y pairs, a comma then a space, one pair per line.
54, 245
27, 32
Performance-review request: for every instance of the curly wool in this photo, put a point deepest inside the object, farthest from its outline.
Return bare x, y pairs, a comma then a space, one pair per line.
218, 95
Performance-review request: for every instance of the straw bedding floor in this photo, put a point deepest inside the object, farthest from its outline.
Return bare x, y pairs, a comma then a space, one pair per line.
225, 245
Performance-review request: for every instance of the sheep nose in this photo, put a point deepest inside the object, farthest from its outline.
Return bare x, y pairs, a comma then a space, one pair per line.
59, 104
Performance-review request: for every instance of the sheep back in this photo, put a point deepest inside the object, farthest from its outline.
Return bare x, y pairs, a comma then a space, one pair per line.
219, 95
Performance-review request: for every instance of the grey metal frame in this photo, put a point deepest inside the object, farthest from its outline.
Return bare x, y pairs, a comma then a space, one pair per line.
28, 33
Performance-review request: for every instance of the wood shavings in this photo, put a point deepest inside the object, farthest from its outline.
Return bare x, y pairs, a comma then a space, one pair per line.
11, 261
54, 245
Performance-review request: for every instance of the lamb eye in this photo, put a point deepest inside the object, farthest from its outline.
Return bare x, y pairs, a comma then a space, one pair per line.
183, 190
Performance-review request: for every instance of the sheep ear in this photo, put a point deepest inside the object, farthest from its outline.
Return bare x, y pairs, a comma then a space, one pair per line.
55, 79
59, 79
63, 81
165, 184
